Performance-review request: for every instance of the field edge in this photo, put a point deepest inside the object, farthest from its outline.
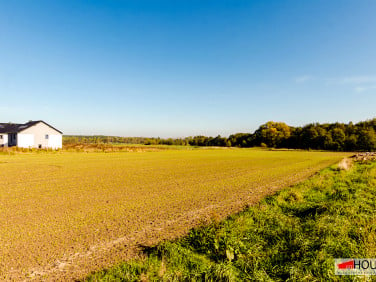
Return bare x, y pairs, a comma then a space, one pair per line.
213, 251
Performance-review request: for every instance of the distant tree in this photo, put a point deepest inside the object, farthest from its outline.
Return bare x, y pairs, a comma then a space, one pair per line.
351, 142
335, 136
273, 133
241, 140
367, 140
338, 137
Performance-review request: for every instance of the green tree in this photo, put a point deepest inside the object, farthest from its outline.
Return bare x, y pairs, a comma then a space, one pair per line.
273, 133
367, 140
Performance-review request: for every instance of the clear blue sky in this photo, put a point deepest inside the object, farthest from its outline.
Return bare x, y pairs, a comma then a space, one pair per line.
180, 68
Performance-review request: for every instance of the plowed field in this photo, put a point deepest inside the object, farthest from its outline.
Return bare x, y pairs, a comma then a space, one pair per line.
64, 215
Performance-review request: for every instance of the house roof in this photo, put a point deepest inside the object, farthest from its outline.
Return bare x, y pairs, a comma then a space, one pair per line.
18, 127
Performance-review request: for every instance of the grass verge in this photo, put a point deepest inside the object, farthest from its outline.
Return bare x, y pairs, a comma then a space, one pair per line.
293, 235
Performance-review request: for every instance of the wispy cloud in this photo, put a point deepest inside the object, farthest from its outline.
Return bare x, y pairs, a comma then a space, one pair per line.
360, 89
358, 83
360, 79
304, 78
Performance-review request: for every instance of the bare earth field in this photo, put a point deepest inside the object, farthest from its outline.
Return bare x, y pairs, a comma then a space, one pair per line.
63, 215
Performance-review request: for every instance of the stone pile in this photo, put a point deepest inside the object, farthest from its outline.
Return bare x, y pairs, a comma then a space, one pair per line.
367, 156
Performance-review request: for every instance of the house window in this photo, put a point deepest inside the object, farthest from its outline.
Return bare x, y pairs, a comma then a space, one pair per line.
46, 136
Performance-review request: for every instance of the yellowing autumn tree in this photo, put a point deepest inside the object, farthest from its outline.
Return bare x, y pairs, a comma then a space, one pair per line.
273, 133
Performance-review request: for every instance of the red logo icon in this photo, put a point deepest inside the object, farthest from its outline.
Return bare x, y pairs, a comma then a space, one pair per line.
346, 265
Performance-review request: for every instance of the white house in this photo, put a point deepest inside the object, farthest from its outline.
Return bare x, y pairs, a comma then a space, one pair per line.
33, 134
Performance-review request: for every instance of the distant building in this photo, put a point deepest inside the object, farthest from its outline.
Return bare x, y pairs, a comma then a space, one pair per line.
33, 134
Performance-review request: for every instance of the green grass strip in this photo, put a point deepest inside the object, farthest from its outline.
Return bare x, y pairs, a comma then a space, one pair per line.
293, 235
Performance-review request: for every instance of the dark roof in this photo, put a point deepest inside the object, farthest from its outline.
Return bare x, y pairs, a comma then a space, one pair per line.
9, 127
17, 127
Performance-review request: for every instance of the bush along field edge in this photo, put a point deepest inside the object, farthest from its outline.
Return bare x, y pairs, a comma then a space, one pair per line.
293, 235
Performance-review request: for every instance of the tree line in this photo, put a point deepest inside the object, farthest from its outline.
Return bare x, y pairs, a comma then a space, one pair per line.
328, 136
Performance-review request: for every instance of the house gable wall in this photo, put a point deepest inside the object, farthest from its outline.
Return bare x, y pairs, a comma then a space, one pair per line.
25, 140
39, 131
